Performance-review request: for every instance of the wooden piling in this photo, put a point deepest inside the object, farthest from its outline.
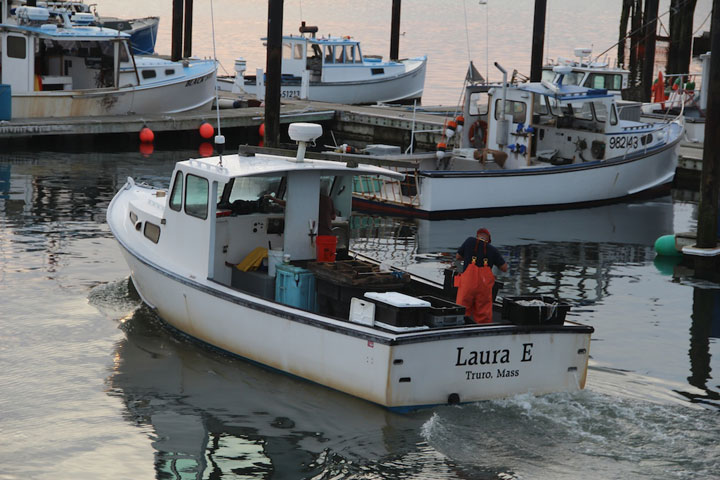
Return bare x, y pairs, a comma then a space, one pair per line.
709, 184
187, 43
177, 31
681, 31
624, 16
635, 40
395, 31
649, 34
538, 41
274, 73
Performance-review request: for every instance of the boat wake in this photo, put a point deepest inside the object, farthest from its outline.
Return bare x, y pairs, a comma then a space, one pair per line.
562, 434
115, 299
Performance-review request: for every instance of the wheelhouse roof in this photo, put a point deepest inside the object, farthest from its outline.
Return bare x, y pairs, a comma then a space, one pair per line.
565, 93
260, 165
319, 40
74, 33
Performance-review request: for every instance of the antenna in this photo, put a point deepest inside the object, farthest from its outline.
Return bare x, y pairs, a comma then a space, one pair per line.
219, 138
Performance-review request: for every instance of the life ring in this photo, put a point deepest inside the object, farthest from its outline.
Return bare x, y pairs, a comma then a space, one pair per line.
478, 128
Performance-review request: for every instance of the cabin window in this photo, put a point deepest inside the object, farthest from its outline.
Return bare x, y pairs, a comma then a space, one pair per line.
377, 71
146, 74
583, 111
152, 232
16, 47
124, 57
196, 196
606, 81
516, 109
600, 111
287, 50
613, 115
177, 193
572, 78
478, 103
547, 76
133, 218
540, 105
170, 71
254, 188
329, 54
340, 52
351, 54
316, 51
298, 51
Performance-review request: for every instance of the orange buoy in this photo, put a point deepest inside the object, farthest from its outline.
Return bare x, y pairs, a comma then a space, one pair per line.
206, 130
450, 128
146, 135
205, 149
146, 149
261, 130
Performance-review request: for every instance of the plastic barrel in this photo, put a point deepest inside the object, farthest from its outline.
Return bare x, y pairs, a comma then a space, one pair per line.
326, 245
665, 245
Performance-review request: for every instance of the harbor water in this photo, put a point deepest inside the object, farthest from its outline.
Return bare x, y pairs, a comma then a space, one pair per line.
92, 386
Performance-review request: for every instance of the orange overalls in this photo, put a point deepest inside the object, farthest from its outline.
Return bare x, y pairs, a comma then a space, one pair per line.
475, 287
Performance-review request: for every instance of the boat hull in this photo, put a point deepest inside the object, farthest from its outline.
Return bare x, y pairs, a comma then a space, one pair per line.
398, 371
445, 194
401, 88
194, 92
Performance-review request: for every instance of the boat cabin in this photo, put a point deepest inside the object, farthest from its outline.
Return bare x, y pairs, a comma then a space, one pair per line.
551, 123
42, 52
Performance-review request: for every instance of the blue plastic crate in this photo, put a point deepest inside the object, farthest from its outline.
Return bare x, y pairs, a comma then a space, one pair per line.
295, 286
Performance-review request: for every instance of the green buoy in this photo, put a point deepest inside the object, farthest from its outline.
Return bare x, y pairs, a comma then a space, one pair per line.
665, 246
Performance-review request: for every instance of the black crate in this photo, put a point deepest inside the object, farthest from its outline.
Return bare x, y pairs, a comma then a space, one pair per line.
397, 316
552, 313
442, 313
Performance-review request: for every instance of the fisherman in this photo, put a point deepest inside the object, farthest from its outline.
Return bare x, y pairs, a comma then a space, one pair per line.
475, 283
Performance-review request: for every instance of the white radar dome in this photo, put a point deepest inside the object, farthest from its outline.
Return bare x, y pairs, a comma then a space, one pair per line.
304, 132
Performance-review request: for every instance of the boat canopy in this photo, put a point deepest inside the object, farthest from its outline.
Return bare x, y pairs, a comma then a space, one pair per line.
565, 93
233, 166
75, 33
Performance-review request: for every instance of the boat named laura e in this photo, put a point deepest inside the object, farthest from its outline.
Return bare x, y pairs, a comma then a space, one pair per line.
58, 68
334, 69
384, 336
531, 147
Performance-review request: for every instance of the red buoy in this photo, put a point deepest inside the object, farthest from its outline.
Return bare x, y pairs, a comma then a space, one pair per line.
206, 130
205, 149
261, 130
146, 135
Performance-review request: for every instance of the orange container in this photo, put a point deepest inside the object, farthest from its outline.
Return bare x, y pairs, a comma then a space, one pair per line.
326, 245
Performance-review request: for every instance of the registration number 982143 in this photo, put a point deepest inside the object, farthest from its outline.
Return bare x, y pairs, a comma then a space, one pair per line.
626, 141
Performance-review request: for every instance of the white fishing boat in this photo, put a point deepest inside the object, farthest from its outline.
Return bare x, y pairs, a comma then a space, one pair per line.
58, 68
386, 337
588, 73
334, 69
557, 146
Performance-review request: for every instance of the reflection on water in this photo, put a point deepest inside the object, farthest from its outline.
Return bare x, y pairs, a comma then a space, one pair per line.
570, 254
705, 328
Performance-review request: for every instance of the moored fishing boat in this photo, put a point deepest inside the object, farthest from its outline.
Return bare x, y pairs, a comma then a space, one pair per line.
387, 337
531, 147
57, 68
334, 69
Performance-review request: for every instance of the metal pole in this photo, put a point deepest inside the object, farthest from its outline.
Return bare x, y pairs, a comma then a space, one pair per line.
708, 210
274, 72
650, 29
538, 41
187, 45
395, 31
177, 30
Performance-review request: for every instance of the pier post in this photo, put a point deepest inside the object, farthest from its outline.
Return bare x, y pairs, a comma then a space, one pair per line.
681, 36
274, 73
187, 44
709, 184
177, 30
650, 32
395, 31
538, 41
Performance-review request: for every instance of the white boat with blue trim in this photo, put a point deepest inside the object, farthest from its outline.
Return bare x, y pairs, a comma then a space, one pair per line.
334, 69
387, 337
532, 147
59, 67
